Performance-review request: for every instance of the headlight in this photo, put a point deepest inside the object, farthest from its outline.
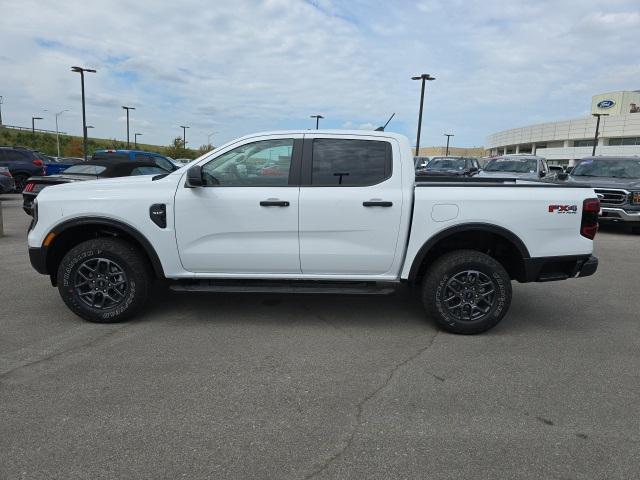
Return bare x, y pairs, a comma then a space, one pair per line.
635, 197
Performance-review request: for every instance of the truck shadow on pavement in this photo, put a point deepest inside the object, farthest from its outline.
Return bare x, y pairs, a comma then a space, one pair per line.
534, 309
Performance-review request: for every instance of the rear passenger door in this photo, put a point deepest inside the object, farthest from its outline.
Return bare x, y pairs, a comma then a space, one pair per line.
350, 205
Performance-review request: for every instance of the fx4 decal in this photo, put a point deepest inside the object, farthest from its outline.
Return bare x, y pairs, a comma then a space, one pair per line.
571, 209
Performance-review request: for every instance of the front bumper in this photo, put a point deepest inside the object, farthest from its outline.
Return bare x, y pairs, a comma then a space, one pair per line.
547, 269
618, 215
38, 259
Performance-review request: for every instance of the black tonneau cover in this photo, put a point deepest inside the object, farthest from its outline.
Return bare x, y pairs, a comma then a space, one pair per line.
437, 181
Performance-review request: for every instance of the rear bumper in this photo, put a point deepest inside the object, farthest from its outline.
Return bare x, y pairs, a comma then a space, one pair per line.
38, 259
618, 215
547, 269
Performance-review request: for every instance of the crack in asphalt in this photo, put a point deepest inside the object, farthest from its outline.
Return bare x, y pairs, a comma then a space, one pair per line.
360, 408
62, 352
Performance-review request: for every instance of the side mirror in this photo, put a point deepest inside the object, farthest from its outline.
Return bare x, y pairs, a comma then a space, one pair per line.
194, 177
563, 176
473, 170
542, 174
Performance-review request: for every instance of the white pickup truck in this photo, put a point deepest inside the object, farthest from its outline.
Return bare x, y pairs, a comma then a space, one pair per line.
312, 212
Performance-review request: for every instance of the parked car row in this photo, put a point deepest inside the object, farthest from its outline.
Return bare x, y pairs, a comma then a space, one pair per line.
616, 180
28, 171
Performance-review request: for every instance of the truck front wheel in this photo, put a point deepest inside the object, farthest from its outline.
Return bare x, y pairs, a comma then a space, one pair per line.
105, 280
466, 292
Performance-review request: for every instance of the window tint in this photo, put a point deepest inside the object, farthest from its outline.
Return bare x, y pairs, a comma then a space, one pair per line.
164, 163
16, 156
109, 155
350, 162
148, 171
257, 164
85, 170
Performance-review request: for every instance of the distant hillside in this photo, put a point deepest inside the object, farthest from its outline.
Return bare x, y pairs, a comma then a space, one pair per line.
71, 146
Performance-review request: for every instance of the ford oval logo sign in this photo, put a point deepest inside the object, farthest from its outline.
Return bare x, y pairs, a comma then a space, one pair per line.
606, 104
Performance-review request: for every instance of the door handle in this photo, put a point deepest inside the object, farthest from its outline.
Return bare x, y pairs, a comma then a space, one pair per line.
377, 203
274, 203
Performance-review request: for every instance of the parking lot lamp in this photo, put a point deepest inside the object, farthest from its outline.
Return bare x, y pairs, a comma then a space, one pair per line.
127, 109
184, 136
33, 124
595, 138
81, 71
424, 77
317, 117
57, 134
135, 139
448, 135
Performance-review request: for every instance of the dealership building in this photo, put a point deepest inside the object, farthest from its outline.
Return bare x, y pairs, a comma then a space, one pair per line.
565, 141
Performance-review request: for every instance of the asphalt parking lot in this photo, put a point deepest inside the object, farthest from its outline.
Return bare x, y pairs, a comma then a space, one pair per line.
293, 387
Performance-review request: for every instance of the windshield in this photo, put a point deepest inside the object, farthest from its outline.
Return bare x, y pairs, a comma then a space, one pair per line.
519, 165
610, 167
85, 169
443, 163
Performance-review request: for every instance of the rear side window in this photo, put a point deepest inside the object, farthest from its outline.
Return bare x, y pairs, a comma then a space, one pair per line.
349, 163
85, 170
110, 156
16, 156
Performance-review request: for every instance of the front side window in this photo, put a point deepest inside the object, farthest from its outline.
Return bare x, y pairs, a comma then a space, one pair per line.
258, 164
341, 162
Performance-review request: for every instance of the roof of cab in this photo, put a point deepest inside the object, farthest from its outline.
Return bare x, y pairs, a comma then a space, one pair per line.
359, 133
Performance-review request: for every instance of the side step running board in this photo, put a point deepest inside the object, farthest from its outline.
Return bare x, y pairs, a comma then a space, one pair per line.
270, 286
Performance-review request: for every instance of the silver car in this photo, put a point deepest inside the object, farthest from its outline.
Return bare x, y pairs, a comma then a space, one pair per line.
7, 184
523, 166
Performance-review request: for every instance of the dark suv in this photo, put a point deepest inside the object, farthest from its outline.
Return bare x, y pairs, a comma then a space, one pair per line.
22, 163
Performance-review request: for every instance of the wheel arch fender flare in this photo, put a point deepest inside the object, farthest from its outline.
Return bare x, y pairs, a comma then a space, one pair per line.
116, 225
464, 227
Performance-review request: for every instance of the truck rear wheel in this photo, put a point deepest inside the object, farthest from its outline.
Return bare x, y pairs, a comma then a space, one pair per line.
105, 280
466, 292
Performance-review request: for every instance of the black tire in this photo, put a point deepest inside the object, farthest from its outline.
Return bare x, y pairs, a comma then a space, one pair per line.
105, 280
466, 276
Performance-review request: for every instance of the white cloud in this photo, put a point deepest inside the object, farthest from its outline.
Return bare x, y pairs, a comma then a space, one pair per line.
242, 66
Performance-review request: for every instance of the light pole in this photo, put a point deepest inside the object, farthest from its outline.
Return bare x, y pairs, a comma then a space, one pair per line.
86, 129
209, 138
81, 71
127, 109
317, 117
135, 138
448, 135
595, 138
1, 102
57, 134
424, 77
33, 124
184, 136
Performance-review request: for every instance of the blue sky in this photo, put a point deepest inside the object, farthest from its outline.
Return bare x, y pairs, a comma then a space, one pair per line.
238, 67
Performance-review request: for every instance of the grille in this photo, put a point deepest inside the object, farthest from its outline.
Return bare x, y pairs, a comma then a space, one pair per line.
612, 197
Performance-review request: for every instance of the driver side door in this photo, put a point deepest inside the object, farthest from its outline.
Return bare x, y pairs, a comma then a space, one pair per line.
243, 222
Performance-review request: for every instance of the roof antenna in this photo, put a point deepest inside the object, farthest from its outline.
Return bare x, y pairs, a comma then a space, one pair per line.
381, 129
